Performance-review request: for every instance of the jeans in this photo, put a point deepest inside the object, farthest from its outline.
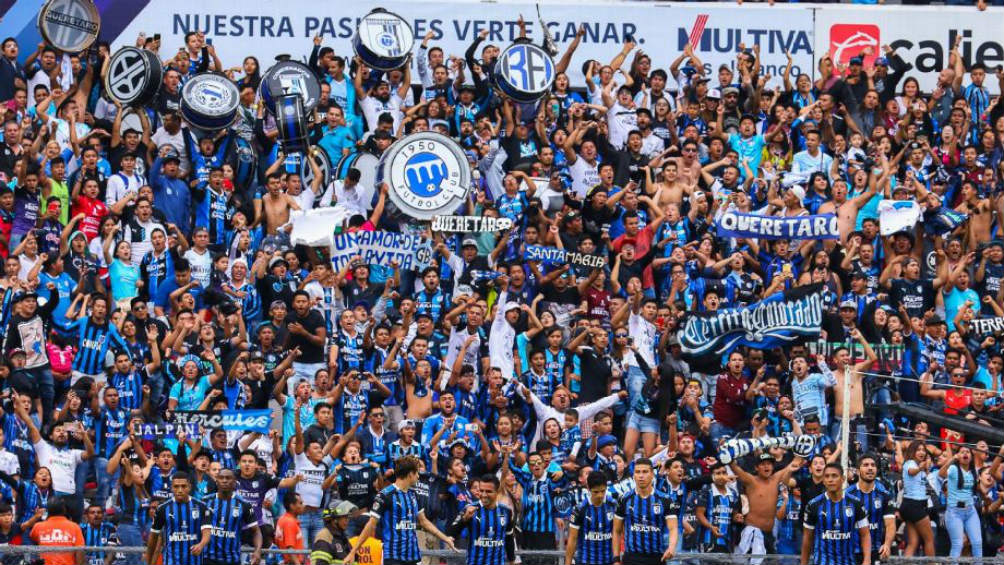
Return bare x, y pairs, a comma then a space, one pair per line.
303, 371
46, 389
719, 430
635, 383
130, 536
105, 481
156, 383
858, 429
959, 521
710, 382
311, 524
81, 473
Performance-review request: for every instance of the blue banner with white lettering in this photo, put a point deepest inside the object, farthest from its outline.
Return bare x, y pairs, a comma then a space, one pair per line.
775, 321
752, 226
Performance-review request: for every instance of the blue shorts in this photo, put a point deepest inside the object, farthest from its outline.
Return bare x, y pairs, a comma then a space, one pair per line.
644, 424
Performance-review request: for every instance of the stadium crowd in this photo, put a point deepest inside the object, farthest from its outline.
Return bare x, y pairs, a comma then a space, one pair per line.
488, 402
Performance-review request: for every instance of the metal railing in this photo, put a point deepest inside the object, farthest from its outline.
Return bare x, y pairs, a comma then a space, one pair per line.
31, 553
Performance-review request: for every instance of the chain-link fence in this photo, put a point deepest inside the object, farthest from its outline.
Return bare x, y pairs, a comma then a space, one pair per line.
26, 554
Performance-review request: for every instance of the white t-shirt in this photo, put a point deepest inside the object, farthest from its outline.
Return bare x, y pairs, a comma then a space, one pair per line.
372, 108
620, 121
120, 184
62, 464
202, 265
9, 463
309, 488
161, 138
643, 333
584, 176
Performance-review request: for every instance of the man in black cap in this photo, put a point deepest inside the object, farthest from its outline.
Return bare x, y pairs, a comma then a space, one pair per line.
27, 331
168, 184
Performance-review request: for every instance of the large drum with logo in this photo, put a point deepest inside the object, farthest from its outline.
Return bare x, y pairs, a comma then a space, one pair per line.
291, 123
69, 25
383, 40
428, 174
134, 76
368, 166
289, 77
524, 72
209, 101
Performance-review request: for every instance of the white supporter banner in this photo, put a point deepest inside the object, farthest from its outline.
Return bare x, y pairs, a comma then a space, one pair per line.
897, 215
314, 228
411, 252
265, 28
921, 35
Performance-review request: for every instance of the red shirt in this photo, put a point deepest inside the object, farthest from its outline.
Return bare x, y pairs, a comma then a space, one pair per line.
730, 400
642, 242
94, 212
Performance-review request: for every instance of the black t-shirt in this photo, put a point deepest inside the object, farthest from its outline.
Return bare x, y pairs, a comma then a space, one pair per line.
915, 296
261, 391
272, 288
115, 158
596, 373
310, 353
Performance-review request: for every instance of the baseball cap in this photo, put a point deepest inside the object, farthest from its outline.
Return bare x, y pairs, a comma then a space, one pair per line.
405, 424
275, 261
25, 295
730, 90
714, 94
799, 192
882, 61
849, 304
15, 351
765, 457
605, 440
469, 241
856, 61
256, 356
512, 306
277, 304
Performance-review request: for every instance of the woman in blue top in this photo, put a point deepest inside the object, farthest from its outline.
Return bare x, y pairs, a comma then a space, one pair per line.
913, 508
961, 518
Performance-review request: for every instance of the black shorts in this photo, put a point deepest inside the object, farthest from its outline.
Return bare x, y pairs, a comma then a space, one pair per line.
641, 559
912, 510
538, 540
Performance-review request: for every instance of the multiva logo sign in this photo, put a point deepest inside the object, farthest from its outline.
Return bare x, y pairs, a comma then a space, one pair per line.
922, 37
709, 34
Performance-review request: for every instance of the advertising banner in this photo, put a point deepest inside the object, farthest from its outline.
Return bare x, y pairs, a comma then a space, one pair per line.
921, 35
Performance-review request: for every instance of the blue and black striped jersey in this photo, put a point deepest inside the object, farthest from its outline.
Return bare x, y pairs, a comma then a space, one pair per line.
95, 342
594, 526
230, 517
101, 535
833, 524
878, 506
646, 521
397, 512
180, 526
538, 500
718, 509
490, 535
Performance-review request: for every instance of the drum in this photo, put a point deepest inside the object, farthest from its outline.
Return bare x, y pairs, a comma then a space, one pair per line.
368, 165
69, 25
383, 40
428, 174
209, 101
290, 77
524, 72
291, 123
134, 76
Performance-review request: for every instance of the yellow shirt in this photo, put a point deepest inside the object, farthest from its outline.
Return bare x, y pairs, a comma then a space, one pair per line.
371, 552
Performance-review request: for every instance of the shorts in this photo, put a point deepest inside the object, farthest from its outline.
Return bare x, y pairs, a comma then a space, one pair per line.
641, 559
912, 510
643, 424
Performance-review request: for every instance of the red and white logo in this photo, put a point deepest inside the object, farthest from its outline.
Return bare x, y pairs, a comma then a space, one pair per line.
849, 40
698, 30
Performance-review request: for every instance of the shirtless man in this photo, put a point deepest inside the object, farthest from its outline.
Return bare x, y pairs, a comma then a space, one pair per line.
846, 209
276, 204
980, 214
842, 360
689, 166
671, 187
761, 492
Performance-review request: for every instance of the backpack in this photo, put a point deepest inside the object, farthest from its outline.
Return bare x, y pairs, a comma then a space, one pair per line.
61, 359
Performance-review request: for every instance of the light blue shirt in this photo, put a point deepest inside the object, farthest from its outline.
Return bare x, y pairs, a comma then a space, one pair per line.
750, 148
914, 487
958, 495
809, 394
954, 301
806, 164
